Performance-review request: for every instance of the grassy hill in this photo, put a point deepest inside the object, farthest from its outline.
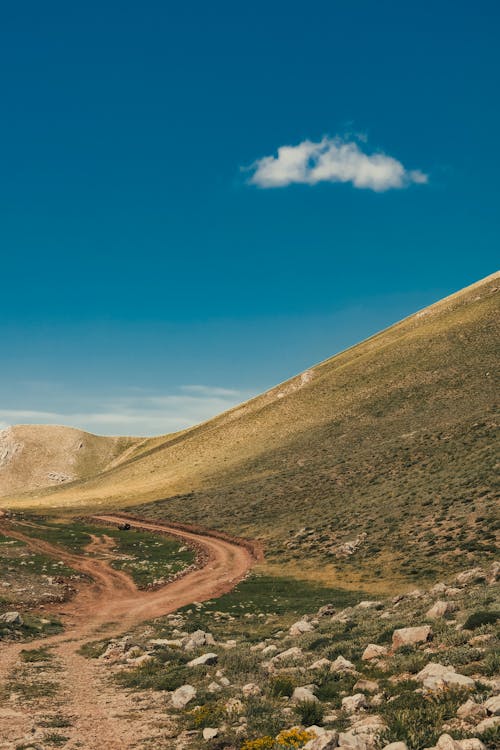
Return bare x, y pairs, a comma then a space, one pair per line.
36, 456
374, 466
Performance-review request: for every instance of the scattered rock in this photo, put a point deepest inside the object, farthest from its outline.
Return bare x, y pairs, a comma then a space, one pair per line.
411, 636
471, 710
492, 705
440, 609
490, 723
291, 653
251, 689
13, 619
203, 659
302, 626
321, 664
198, 639
353, 703
327, 740
327, 610
373, 651
396, 746
352, 741
366, 686
182, 696
342, 665
303, 695
210, 733
436, 676
468, 576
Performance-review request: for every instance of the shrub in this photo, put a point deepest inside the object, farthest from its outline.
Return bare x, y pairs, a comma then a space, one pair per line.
310, 712
282, 686
261, 743
294, 738
481, 617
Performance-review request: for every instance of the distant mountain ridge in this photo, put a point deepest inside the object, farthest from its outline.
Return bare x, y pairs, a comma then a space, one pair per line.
376, 464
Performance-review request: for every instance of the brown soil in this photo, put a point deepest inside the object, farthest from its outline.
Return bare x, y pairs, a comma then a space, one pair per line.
108, 607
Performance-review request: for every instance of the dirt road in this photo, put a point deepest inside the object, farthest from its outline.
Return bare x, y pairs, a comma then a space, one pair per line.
108, 607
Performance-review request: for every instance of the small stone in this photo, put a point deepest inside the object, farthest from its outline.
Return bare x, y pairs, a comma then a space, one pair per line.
214, 687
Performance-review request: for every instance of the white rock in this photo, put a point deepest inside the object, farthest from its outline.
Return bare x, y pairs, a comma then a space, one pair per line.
301, 626
353, 703
197, 639
366, 686
342, 665
303, 695
203, 659
411, 636
12, 618
214, 687
326, 740
321, 664
440, 609
373, 651
209, 733
181, 697
490, 723
352, 741
471, 710
271, 649
436, 676
291, 653
492, 705
369, 605
396, 746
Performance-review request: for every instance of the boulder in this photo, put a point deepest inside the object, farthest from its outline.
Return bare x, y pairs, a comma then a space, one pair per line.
299, 627
445, 742
200, 661
327, 740
181, 697
369, 604
198, 639
373, 651
470, 576
352, 741
436, 676
12, 619
366, 686
490, 723
353, 703
291, 653
470, 710
440, 609
396, 746
209, 733
411, 636
342, 665
303, 695
321, 664
327, 610
492, 705
271, 649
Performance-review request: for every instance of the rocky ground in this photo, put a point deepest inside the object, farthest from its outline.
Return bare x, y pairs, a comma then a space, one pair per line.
420, 670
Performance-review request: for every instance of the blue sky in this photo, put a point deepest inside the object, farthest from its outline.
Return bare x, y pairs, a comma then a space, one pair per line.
199, 200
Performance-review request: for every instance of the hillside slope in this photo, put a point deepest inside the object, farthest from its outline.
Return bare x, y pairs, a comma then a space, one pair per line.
375, 464
36, 456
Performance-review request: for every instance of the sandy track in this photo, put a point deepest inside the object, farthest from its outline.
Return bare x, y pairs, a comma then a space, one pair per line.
109, 606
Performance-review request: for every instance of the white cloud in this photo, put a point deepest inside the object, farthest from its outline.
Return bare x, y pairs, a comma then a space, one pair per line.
135, 413
332, 160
